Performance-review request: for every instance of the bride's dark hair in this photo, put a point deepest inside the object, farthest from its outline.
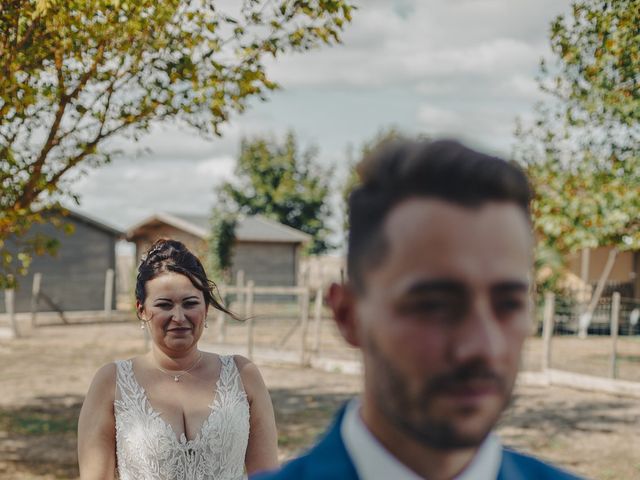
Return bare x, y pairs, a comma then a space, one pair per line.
167, 255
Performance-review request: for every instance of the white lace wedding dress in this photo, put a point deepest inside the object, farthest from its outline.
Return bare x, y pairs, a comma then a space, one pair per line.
148, 449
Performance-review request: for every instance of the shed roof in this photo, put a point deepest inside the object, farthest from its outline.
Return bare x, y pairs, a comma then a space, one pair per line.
254, 228
84, 218
257, 228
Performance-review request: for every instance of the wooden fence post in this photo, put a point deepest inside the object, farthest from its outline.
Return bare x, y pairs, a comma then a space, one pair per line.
35, 295
248, 308
547, 329
108, 293
9, 301
305, 323
615, 320
317, 318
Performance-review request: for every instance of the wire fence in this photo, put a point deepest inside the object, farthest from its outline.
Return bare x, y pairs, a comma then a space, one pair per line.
588, 347
570, 311
302, 331
293, 324
289, 324
49, 299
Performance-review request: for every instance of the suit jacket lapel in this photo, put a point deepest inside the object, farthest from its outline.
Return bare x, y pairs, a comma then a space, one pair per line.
509, 468
329, 458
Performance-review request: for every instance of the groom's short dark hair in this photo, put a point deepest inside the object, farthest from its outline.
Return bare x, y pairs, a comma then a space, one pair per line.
402, 169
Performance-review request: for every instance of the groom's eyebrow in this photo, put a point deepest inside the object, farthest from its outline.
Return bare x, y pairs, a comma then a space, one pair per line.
510, 286
439, 285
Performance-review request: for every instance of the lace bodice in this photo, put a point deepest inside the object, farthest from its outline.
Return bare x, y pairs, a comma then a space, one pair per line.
147, 448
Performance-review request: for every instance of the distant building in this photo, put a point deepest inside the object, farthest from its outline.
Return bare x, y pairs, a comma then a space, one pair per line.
623, 278
267, 251
73, 279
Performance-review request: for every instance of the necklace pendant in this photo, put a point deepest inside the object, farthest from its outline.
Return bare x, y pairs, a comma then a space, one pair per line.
176, 378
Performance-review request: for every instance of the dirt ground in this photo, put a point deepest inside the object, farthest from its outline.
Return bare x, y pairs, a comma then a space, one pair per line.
44, 377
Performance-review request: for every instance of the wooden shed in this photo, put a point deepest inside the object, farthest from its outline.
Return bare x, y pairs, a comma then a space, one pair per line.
267, 251
75, 278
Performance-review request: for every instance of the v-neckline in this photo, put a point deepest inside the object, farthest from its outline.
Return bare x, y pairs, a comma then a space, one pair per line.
182, 439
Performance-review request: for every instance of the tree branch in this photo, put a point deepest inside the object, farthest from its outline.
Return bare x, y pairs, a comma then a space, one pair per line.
89, 73
88, 150
29, 192
27, 35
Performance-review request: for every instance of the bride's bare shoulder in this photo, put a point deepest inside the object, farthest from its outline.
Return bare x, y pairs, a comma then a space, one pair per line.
104, 380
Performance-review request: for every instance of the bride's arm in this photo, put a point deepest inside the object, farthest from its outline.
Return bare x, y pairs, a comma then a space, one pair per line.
97, 428
262, 451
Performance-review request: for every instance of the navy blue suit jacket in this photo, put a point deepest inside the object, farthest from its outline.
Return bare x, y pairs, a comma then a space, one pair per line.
329, 460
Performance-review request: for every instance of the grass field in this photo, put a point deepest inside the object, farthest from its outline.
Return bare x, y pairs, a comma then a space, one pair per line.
44, 377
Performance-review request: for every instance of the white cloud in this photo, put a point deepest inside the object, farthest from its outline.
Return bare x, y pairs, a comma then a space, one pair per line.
434, 38
490, 58
127, 191
220, 168
439, 121
462, 68
483, 126
516, 89
522, 86
176, 141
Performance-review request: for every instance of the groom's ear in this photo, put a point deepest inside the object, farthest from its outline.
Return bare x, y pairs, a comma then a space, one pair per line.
342, 300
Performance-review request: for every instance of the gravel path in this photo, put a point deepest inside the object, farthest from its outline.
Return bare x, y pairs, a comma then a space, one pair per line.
43, 379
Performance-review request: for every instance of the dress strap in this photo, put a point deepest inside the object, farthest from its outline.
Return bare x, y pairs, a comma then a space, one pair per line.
126, 385
228, 370
230, 383
227, 361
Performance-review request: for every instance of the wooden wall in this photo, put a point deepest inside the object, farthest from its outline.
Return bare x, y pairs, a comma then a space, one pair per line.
153, 232
266, 263
74, 279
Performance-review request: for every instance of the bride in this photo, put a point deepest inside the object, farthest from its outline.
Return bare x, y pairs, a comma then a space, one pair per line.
176, 413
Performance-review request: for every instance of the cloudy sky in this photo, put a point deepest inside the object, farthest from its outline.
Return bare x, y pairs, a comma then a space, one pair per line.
455, 68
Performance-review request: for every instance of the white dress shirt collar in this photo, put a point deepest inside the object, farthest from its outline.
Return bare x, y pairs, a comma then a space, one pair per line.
372, 461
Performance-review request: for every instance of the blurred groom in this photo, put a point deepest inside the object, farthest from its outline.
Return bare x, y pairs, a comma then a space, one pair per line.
438, 301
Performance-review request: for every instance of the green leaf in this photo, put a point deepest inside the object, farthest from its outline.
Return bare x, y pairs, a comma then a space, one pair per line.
80, 72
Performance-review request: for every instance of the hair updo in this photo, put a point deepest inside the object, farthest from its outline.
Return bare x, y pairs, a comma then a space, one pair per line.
167, 255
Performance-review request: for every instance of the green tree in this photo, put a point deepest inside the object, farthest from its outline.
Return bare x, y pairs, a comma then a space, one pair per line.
282, 182
74, 74
352, 178
582, 152
220, 244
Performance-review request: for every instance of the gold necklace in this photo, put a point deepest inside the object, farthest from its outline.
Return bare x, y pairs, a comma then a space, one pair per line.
176, 376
